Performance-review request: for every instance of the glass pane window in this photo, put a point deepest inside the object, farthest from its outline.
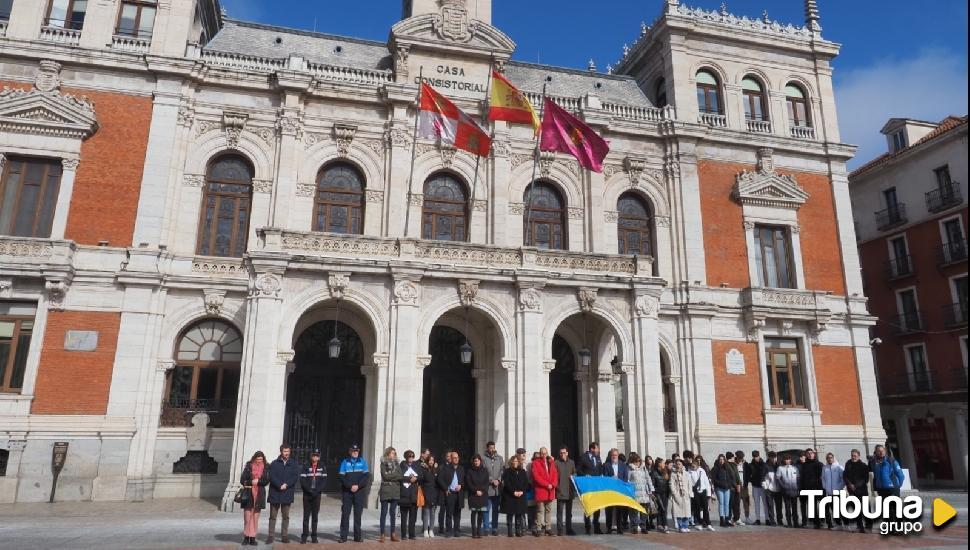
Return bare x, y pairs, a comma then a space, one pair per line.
340, 200
754, 99
444, 216
545, 217
224, 227
28, 196
67, 14
5, 6
634, 225
797, 106
136, 19
773, 257
784, 371
15, 334
206, 375
708, 94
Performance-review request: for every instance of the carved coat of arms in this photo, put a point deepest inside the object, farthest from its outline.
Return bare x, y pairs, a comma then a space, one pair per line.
452, 23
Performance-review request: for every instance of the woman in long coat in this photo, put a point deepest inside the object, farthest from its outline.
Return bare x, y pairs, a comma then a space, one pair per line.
476, 487
430, 492
680, 493
390, 492
515, 483
255, 477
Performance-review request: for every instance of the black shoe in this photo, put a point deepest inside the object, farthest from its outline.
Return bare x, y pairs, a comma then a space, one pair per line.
597, 530
313, 539
571, 533
342, 539
757, 522
358, 539
285, 539
303, 539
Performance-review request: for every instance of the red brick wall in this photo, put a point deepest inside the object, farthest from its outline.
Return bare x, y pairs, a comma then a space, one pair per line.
725, 250
76, 382
724, 242
738, 396
110, 173
838, 385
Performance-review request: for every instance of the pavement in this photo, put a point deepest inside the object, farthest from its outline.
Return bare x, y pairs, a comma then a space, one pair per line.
198, 524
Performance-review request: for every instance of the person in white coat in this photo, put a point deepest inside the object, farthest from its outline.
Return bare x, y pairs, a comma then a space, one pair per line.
831, 482
787, 478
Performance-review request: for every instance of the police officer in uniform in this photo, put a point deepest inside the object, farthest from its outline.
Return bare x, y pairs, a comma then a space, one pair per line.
354, 477
312, 481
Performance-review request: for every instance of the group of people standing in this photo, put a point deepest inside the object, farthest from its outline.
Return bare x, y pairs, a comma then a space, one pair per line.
676, 493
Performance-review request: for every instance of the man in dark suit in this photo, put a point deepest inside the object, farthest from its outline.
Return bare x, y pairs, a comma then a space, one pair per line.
615, 468
591, 465
451, 479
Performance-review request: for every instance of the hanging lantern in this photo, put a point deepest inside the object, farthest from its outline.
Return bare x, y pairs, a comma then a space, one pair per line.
466, 353
585, 357
334, 347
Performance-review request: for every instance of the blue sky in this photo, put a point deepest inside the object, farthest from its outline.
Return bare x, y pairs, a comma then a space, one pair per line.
898, 59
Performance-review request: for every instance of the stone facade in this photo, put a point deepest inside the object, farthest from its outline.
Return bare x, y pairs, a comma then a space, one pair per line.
675, 339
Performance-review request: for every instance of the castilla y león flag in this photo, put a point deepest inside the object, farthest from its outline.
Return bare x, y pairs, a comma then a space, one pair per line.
439, 118
510, 104
564, 133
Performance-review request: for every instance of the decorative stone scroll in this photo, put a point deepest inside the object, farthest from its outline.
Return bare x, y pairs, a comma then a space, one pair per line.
406, 292
530, 299
468, 291
56, 293
587, 298
213, 300
344, 134
267, 285
338, 282
233, 123
765, 187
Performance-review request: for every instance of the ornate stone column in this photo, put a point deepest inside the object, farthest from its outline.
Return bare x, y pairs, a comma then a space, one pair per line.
647, 426
507, 443
532, 380
605, 405
262, 383
142, 453
68, 173
289, 127
405, 379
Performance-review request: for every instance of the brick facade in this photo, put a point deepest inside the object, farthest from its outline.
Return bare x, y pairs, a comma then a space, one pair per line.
838, 385
738, 395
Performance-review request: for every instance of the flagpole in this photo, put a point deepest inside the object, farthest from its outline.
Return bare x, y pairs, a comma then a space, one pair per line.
414, 151
535, 164
478, 158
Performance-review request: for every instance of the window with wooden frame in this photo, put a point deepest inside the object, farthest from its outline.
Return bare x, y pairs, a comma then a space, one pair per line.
136, 19
783, 364
634, 225
445, 212
28, 196
754, 99
773, 257
5, 7
226, 206
206, 374
66, 14
339, 204
16, 327
798, 112
544, 217
708, 93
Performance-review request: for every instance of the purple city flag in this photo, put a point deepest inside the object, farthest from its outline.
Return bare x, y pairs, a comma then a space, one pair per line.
563, 132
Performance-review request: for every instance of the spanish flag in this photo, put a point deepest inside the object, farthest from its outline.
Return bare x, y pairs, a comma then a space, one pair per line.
596, 493
510, 104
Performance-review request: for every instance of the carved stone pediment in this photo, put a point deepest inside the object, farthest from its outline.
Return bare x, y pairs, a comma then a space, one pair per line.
451, 28
765, 187
47, 113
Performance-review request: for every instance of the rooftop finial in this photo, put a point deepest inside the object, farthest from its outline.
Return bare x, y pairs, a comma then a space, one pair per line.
643, 27
724, 10
764, 16
811, 16
591, 66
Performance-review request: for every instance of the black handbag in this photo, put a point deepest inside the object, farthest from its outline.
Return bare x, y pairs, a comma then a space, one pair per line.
243, 495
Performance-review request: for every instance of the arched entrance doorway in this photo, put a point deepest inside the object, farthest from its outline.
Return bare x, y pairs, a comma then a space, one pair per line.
563, 398
448, 408
325, 397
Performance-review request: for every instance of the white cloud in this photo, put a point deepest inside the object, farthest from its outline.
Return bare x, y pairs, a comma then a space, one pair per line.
929, 86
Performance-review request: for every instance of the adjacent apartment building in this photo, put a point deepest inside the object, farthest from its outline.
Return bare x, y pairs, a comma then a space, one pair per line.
910, 212
217, 235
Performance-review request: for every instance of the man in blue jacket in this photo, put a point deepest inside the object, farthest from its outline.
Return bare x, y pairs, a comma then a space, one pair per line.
354, 477
284, 474
312, 481
887, 474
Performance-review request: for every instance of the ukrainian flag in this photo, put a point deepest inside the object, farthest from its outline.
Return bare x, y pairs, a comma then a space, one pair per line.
596, 493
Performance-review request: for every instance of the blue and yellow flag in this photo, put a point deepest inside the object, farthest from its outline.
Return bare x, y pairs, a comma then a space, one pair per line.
596, 493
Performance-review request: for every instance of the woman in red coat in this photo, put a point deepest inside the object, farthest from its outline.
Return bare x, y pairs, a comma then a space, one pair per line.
545, 480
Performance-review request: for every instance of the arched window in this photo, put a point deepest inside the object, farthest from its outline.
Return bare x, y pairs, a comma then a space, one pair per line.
545, 217
224, 227
206, 374
754, 99
708, 93
634, 225
339, 204
660, 92
797, 106
445, 212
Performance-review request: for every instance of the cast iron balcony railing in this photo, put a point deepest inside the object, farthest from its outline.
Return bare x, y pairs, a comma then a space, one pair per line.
955, 315
958, 379
891, 217
952, 252
177, 412
944, 197
910, 382
900, 267
907, 323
